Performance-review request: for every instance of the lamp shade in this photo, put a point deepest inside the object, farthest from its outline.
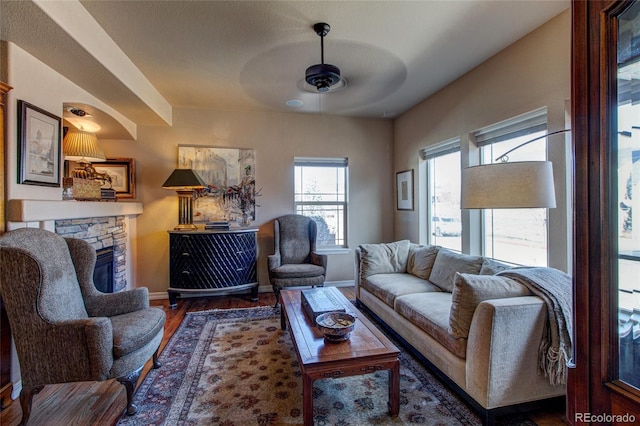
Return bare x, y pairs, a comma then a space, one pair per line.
518, 185
184, 178
82, 146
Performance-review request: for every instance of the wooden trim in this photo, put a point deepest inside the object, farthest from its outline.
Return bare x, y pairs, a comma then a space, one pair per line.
590, 388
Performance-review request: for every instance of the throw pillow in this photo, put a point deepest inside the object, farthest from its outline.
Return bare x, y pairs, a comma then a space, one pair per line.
469, 290
492, 267
421, 259
383, 258
448, 263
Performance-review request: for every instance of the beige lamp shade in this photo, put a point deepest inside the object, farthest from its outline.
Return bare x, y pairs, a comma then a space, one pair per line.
83, 147
518, 185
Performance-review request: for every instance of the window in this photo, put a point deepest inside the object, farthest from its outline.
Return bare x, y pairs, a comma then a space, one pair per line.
516, 236
443, 186
321, 194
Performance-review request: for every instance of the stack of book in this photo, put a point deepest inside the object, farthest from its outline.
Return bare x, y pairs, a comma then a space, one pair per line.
217, 224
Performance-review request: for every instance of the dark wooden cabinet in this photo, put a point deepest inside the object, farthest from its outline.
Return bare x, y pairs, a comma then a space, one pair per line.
210, 262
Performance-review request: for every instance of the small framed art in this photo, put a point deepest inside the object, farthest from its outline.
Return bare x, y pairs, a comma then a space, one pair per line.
123, 175
404, 190
39, 150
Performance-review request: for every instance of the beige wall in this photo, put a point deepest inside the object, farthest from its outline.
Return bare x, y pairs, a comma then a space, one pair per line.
532, 73
277, 139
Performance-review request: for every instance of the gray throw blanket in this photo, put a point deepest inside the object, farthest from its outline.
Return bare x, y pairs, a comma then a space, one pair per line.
554, 288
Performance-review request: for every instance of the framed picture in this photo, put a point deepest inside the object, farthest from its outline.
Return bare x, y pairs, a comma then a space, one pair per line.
39, 150
123, 175
404, 190
226, 171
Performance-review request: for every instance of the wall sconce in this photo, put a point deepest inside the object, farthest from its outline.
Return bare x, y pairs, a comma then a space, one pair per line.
517, 185
184, 182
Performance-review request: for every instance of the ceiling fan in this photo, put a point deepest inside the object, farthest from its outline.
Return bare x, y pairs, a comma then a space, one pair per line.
322, 76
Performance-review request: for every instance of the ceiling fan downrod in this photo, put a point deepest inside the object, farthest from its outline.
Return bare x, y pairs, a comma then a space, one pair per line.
322, 75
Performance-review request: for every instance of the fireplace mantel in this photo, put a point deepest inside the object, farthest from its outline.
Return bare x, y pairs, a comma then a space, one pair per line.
44, 210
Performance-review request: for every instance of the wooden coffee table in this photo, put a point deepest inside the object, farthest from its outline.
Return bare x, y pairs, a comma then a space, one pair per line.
366, 351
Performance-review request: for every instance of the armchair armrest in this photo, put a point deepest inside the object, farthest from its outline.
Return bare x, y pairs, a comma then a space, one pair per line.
319, 259
273, 261
77, 350
122, 302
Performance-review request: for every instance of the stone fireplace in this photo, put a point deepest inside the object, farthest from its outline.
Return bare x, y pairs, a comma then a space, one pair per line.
102, 233
102, 224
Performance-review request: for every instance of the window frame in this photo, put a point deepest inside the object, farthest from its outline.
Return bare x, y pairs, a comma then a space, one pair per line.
329, 162
489, 138
440, 149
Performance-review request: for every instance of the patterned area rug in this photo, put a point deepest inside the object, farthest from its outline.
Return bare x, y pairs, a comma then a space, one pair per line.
237, 367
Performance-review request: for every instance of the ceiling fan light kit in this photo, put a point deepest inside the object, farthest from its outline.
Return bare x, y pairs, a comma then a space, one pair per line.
322, 76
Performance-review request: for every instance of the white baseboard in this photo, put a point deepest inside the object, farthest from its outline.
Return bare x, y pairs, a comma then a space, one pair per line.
163, 295
17, 388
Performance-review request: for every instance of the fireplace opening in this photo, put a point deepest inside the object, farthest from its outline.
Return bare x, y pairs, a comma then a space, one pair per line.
103, 272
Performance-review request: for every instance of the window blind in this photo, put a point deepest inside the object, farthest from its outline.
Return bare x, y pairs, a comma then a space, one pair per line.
442, 148
320, 162
525, 124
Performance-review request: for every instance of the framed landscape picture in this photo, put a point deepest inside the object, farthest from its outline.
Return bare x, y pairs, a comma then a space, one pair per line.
39, 150
404, 190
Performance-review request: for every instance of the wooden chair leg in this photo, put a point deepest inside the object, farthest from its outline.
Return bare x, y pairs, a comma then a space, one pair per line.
156, 363
277, 293
26, 398
129, 383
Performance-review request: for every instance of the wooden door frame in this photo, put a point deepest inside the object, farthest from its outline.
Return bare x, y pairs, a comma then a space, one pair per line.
594, 95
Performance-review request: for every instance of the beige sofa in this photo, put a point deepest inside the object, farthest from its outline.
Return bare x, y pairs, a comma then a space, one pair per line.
480, 330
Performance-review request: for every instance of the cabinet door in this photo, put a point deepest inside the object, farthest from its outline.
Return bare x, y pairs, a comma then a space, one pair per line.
212, 260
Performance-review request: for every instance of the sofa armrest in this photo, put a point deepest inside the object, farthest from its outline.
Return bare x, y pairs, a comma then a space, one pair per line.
358, 257
502, 365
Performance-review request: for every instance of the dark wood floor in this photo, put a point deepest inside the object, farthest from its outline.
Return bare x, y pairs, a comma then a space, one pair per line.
102, 403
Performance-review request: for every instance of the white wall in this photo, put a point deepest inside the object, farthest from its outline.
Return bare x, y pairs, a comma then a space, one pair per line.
531, 73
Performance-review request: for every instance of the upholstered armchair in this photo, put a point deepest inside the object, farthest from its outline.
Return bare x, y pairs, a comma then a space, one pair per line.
295, 262
64, 329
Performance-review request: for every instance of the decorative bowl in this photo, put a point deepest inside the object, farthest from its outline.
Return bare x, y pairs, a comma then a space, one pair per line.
336, 326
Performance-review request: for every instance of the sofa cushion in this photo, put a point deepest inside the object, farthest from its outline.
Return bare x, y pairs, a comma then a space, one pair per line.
383, 258
448, 263
470, 290
492, 267
430, 312
421, 259
387, 287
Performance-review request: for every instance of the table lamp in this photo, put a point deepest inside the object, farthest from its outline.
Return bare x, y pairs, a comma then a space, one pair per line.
184, 182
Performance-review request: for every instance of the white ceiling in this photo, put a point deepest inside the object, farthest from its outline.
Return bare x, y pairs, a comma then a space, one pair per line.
252, 55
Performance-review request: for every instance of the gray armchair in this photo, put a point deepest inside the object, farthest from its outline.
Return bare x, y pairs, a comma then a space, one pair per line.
64, 329
295, 262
